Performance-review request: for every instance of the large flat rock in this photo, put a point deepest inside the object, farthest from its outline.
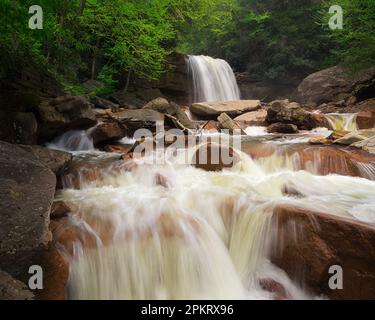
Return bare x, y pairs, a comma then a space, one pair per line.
211, 110
27, 188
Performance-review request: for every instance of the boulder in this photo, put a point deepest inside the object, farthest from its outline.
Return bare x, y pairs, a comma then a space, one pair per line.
107, 131
321, 241
12, 289
27, 188
279, 127
101, 103
19, 127
133, 120
355, 136
285, 111
254, 118
55, 160
163, 106
62, 114
226, 123
367, 144
215, 157
366, 119
333, 84
211, 110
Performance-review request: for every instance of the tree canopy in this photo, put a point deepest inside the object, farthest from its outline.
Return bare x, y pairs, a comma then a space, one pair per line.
96, 39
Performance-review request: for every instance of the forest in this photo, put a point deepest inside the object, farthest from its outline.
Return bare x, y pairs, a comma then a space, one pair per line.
98, 39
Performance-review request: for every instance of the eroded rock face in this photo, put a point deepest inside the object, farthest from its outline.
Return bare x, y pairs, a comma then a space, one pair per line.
64, 113
170, 108
12, 289
333, 84
215, 157
107, 132
309, 243
284, 111
139, 119
55, 160
27, 188
254, 118
211, 110
282, 128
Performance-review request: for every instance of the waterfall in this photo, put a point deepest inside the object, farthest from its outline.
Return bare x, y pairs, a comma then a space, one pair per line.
212, 80
74, 140
342, 121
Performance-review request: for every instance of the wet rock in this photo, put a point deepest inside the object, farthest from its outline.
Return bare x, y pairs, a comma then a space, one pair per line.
320, 140
55, 160
356, 136
215, 157
254, 118
62, 114
107, 131
278, 290
19, 127
333, 84
211, 110
27, 189
12, 289
170, 108
367, 144
226, 123
133, 120
366, 119
105, 104
59, 210
282, 128
284, 111
309, 243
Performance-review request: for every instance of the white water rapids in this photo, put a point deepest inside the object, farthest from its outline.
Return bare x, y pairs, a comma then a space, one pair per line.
212, 80
176, 232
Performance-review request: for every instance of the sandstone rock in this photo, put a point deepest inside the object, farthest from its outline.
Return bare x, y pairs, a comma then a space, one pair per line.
320, 140
139, 119
107, 131
59, 210
367, 144
226, 123
285, 111
26, 128
282, 128
62, 114
163, 106
322, 241
12, 289
333, 84
366, 119
211, 110
215, 157
27, 189
55, 160
105, 104
278, 290
254, 118
356, 136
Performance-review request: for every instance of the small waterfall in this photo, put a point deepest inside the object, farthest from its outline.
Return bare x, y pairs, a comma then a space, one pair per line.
212, 80
74, 140
342, 121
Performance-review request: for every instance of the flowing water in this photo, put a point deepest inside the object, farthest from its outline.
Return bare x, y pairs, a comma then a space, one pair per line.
171, 231
75, 140
342, 121
212, 80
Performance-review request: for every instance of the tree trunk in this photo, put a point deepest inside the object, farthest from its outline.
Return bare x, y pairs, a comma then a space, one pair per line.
82, 6
127, 81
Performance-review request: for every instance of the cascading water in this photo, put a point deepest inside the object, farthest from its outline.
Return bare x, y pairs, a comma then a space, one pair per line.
172, 231
212, 80
342, 121
75, 140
